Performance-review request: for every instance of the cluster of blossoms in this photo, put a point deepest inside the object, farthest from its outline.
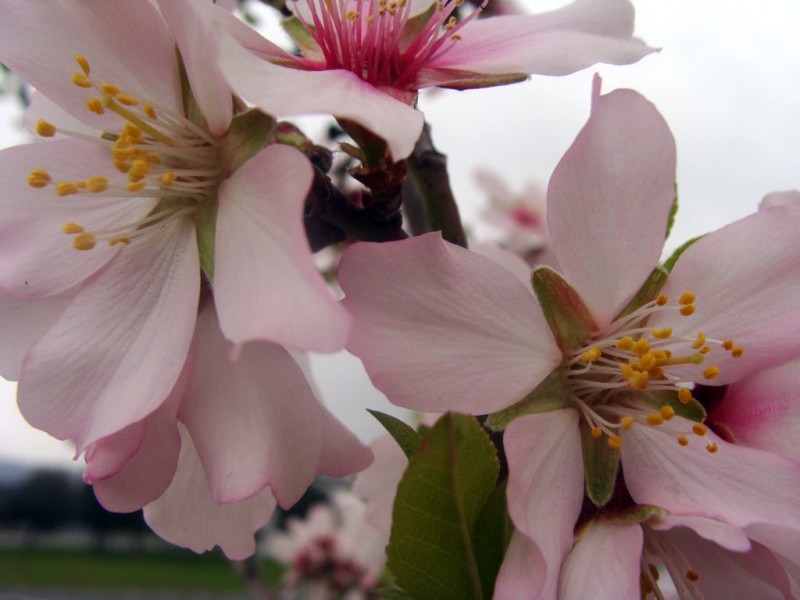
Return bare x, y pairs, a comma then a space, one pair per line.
158, 292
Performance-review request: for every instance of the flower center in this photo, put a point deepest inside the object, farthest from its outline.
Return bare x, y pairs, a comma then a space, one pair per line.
162, 159
613, 375
378, 40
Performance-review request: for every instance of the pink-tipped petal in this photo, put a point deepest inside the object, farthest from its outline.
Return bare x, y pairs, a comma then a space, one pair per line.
108, 455
763, 410
605, 563
440, 328
609, 200
545, 485
265, 283
737, 485
116, 352
746, 279
187, 516
287, 92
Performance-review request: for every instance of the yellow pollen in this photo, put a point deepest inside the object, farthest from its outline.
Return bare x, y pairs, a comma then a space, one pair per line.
83, 64
686, 298
596, 432
684, 395
153, 159
655, 419
727, 344
705, 349
737, 351
662, 299
627, 423
638, 380
641, 347
646, 363
687, 310
591, 355
627, 371
122, 150
81, 185
168, 179
120, 240
149, 111
662, 334
127, 99
455, 37
96, 106
45, 129
701, 339
84, 241
109, 88
81, 80
692, 576
70, 228
711, 372
624, 343
66, 188
683, 440
699, 429
135, 186
38, 178
614, 442
97, 184
667, 412
121, 165
712, 447
139, 168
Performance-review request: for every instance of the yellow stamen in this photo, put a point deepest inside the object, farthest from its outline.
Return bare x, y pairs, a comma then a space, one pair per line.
149, 111
684, 395
627, 423
110, 104
84, 241
639, 379
45, 129
81, 80
727, 344
121, 165
121, 240
699, 429
712, 447
97, 184
135, 186
83, 63
711, 372
139, 168
596, 432
168, 179
38, 178
686, 298
109, 89
70, 228
624, 343
127, 99
641, 346
614, 442
655, 419
687, 310
683, 440
662, 299
662, 334
96, 106
701, 339
667, 412
591, 355
66, 188
737, 351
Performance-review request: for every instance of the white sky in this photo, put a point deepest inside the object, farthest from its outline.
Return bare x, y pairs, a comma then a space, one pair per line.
726, 80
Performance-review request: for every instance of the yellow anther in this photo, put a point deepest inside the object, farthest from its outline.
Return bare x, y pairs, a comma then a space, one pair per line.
638, 380
712, 447
455, 37
131, 131
667, 412
683, 440
737, 351
83, 64
122, 150
657, 373
66, 188
81, 80
70, 228
84, 241
135, 186
45, 129
686, 298
687, 310
627, 423
699, 429
127, 99
661, 356
684, 395
614, 442
727, 344
38, 178
627, 371
624, 343
711, 372
119, 240
81, 185
168, 179
96, 106
109, 89
149, 111
662, 334
705, 349
97, 184
662, 299
591, 355
152, 159
646, 362
655, 419
701, 339
692, 576
596, 432
139, 168
121, 165
641, 346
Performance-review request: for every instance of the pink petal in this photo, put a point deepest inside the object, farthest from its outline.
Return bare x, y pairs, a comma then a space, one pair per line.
545, 485
763, 410
115, 353
287, 92
108, 455
556, 43
126, 43
729, 537
377, 484
780, 198
736, 485
266, 285
522, 573
605, 563
746, 290
506, 259
609, 199
187, 516
439, 327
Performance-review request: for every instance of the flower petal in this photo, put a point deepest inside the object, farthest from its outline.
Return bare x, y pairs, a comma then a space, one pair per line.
545, 485
746, 290
287, 92
265, 283
522, 572
377, 484
187, 516
115, 353
605, 563
728, 536
609, 200
439, 327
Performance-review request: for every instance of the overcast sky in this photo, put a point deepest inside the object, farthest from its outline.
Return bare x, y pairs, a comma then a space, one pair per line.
726, 81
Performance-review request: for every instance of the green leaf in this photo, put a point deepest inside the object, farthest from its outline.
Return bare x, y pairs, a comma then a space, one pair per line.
569, 319
392, 594
553, 393
431, 553
669, 264
492, 533
648, 292
600, 466
249, 132
403, 434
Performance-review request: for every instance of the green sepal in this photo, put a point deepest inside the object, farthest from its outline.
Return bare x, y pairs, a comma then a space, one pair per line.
307, 45
205, 222
403, 434
633, 515
569, 319
669, 264
374, 149
493, 531
553, 393
249, 132
648, 292
432, 549
190, 107
692, 410
600, 465
415, 25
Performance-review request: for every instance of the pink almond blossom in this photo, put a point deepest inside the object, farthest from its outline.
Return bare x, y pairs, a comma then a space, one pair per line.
127, 196
365, 60
440, 328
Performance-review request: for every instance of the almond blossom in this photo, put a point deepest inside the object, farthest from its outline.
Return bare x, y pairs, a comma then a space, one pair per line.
599, 371
365, 60
142, 180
